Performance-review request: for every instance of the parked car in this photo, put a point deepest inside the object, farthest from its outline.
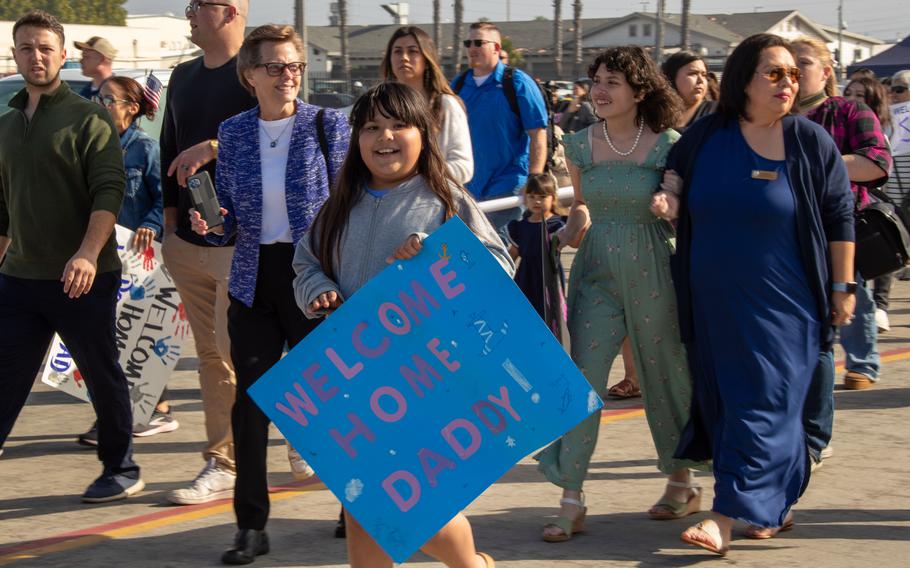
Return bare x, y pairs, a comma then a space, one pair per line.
11, 85
331, 100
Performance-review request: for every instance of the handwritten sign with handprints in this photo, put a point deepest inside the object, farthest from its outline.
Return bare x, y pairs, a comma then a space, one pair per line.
150, 328
900, 119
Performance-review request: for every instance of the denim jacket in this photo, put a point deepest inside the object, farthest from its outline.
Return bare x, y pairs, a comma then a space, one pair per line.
142, 201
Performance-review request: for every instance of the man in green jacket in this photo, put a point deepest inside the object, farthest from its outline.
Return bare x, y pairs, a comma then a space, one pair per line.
61, 187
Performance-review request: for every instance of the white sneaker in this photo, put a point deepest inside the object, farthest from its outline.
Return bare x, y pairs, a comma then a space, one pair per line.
211, 484
300, 469
881, 320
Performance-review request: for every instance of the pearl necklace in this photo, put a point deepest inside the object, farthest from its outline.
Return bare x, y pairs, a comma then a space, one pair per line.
641, 128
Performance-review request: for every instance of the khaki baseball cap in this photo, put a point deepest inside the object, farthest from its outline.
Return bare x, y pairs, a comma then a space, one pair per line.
98, 44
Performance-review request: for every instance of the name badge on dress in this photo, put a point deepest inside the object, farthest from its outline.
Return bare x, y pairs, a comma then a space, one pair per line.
764, 174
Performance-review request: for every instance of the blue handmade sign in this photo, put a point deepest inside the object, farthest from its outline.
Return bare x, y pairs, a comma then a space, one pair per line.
423, 389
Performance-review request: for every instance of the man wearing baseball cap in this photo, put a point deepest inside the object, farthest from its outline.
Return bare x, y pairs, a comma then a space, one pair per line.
97, 60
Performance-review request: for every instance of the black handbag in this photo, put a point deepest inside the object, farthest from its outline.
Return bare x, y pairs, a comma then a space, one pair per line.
882, 240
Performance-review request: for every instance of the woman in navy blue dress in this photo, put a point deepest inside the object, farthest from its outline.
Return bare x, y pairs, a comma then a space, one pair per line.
764, 210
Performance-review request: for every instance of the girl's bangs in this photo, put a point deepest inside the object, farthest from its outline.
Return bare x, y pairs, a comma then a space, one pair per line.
388, 101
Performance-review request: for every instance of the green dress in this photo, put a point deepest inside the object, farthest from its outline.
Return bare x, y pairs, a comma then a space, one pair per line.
620, 285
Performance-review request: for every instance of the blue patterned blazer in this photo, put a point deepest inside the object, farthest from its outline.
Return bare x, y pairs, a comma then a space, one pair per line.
239, 182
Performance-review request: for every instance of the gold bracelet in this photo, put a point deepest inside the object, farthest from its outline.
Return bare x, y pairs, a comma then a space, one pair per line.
214, 145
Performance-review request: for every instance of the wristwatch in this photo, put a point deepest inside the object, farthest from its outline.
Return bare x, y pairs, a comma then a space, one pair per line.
848, 287
214, 145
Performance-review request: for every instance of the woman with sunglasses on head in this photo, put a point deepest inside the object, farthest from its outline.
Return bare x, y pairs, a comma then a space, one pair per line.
858, 136
764, 210
687, 72
410, 58
142, 210
275, 164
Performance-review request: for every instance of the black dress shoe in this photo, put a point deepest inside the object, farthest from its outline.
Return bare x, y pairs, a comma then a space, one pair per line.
340, 527
248, 544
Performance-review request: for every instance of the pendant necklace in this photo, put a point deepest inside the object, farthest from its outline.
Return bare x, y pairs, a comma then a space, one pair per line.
274, 141
641, 128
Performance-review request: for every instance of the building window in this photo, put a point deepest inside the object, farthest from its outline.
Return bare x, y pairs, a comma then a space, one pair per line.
633, 30
857, 54
646, 30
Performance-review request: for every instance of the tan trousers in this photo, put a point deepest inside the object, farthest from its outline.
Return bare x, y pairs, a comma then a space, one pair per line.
201, 276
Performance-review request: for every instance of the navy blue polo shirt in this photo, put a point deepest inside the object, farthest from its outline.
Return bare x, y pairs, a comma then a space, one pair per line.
501, 144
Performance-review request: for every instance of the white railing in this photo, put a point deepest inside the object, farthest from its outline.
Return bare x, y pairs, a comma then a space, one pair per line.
565, 195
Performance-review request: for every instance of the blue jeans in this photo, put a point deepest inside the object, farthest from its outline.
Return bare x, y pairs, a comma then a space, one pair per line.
860, 337
859, 342
818, 411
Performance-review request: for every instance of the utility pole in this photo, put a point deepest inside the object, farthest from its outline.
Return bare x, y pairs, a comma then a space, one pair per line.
300, 25
659, 31
840, 40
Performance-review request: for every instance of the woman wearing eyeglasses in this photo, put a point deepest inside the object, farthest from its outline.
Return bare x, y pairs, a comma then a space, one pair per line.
275, 164
764, 210
142, 206
858, 136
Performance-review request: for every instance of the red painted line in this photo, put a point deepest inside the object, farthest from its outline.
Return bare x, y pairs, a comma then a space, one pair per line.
618, 411
132, 521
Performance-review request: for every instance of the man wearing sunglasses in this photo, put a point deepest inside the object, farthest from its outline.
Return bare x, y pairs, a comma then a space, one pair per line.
508, 143
900, 87
204, 92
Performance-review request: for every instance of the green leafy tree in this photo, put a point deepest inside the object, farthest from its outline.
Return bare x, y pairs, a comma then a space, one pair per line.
100, 12
515, 57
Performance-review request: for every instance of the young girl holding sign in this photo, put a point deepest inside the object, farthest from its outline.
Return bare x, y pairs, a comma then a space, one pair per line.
392, 191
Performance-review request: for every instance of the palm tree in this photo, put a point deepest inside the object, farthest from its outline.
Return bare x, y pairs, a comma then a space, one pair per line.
459, 15
576, 23
557, 37
659, 31
684, 24
343, 35
437, 29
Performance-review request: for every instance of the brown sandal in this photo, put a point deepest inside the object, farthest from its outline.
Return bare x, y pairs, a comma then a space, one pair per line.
624, 389
763, 533
857, 381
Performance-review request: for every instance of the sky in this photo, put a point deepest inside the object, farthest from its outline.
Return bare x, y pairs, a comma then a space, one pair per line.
885, 19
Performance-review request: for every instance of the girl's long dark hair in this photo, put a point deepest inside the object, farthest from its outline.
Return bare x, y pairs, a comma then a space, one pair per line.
391, 100
434, 81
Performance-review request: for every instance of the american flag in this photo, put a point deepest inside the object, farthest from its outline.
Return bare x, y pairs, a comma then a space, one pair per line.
152, 91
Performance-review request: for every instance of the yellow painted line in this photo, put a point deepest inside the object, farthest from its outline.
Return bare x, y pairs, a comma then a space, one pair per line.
632, 413
88, 540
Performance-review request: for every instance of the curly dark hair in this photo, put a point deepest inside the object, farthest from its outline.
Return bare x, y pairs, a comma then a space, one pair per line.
660, 106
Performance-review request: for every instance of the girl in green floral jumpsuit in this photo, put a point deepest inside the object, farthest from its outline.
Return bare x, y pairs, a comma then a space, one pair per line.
620, 281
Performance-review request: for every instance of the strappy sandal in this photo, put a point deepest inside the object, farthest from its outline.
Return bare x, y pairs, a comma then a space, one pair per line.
568, 526
624, 389
710, 543
763, 533
673, 509
487, 559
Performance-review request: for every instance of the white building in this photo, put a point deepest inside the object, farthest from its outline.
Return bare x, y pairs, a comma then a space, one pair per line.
154, 41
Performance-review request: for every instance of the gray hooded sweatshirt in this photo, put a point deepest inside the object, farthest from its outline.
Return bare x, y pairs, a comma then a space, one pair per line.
376, 228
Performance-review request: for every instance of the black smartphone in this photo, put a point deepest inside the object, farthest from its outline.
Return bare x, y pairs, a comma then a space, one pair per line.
202, 194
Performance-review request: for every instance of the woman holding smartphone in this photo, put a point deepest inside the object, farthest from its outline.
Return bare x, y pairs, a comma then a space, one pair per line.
275, 163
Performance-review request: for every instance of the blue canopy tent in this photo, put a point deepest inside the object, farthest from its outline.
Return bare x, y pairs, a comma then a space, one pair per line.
888, 62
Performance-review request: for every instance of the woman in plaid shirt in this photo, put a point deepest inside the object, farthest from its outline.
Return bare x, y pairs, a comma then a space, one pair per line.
858, 135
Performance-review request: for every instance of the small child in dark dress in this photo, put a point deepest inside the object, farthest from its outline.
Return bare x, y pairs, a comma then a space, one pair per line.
542, 206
